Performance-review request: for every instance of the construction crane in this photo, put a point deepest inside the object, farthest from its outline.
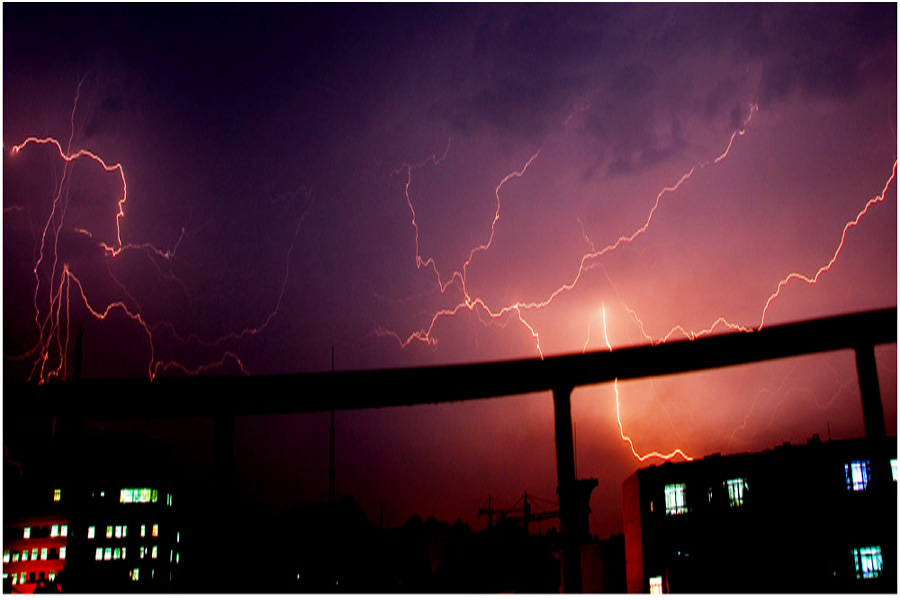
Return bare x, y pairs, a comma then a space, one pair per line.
523, 515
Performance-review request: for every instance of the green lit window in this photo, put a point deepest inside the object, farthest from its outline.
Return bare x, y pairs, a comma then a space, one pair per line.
57, 495
129, 495
135, 575
117, 553
15, 557
51, 576
109, 531
176, 558
6, 556
62, 551
675, 502
54, 530
736, 489
91, 532
34, 553
153, 552
143, 550
868, 562
64, 530
169, 498
118, 531
107, 554
43, 554
26, 533
124, 530
98, 555
15, 578
22, 578
24, 554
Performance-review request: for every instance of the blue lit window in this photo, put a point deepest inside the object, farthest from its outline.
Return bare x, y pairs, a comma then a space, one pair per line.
675, 503
858, 474
867, 562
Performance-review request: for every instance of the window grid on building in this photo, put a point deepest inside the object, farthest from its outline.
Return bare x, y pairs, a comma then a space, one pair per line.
868, 562
656, 585
736, 488
675, 500
858, 474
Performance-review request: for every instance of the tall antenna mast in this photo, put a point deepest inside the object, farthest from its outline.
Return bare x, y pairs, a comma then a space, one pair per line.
331, 447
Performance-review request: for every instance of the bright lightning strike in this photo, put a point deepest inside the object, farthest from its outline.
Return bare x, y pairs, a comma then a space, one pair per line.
625, 438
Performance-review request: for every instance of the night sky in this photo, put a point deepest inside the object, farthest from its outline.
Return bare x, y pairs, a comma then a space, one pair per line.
451, 184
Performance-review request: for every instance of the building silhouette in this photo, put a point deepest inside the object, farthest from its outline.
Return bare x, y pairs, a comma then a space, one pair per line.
94, 514
818, 517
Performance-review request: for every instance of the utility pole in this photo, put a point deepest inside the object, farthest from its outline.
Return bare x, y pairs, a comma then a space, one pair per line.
331, 447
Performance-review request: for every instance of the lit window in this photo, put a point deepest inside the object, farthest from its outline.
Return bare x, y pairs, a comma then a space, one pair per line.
98, 555
109, 531
145, 495
117, 553
176, 558
102, 494
153, 495
135, 574
24, 554
178, 537
858, 474
51, 576
171, 553
736, 489
15, 578
64, 530
34, 553
656, 585
27, 533
43, 554
6, 556
894, 468
868, 562
54, 530
675, 504
57, 495
62, 551
123, 552
118, 531
15, 557
155, 532
22, 577
107, 554
168, 499
153, 552
91, 532
143, 530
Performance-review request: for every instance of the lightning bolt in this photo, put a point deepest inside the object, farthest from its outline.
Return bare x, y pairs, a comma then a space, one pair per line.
53, 319
627, 439
519, 310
